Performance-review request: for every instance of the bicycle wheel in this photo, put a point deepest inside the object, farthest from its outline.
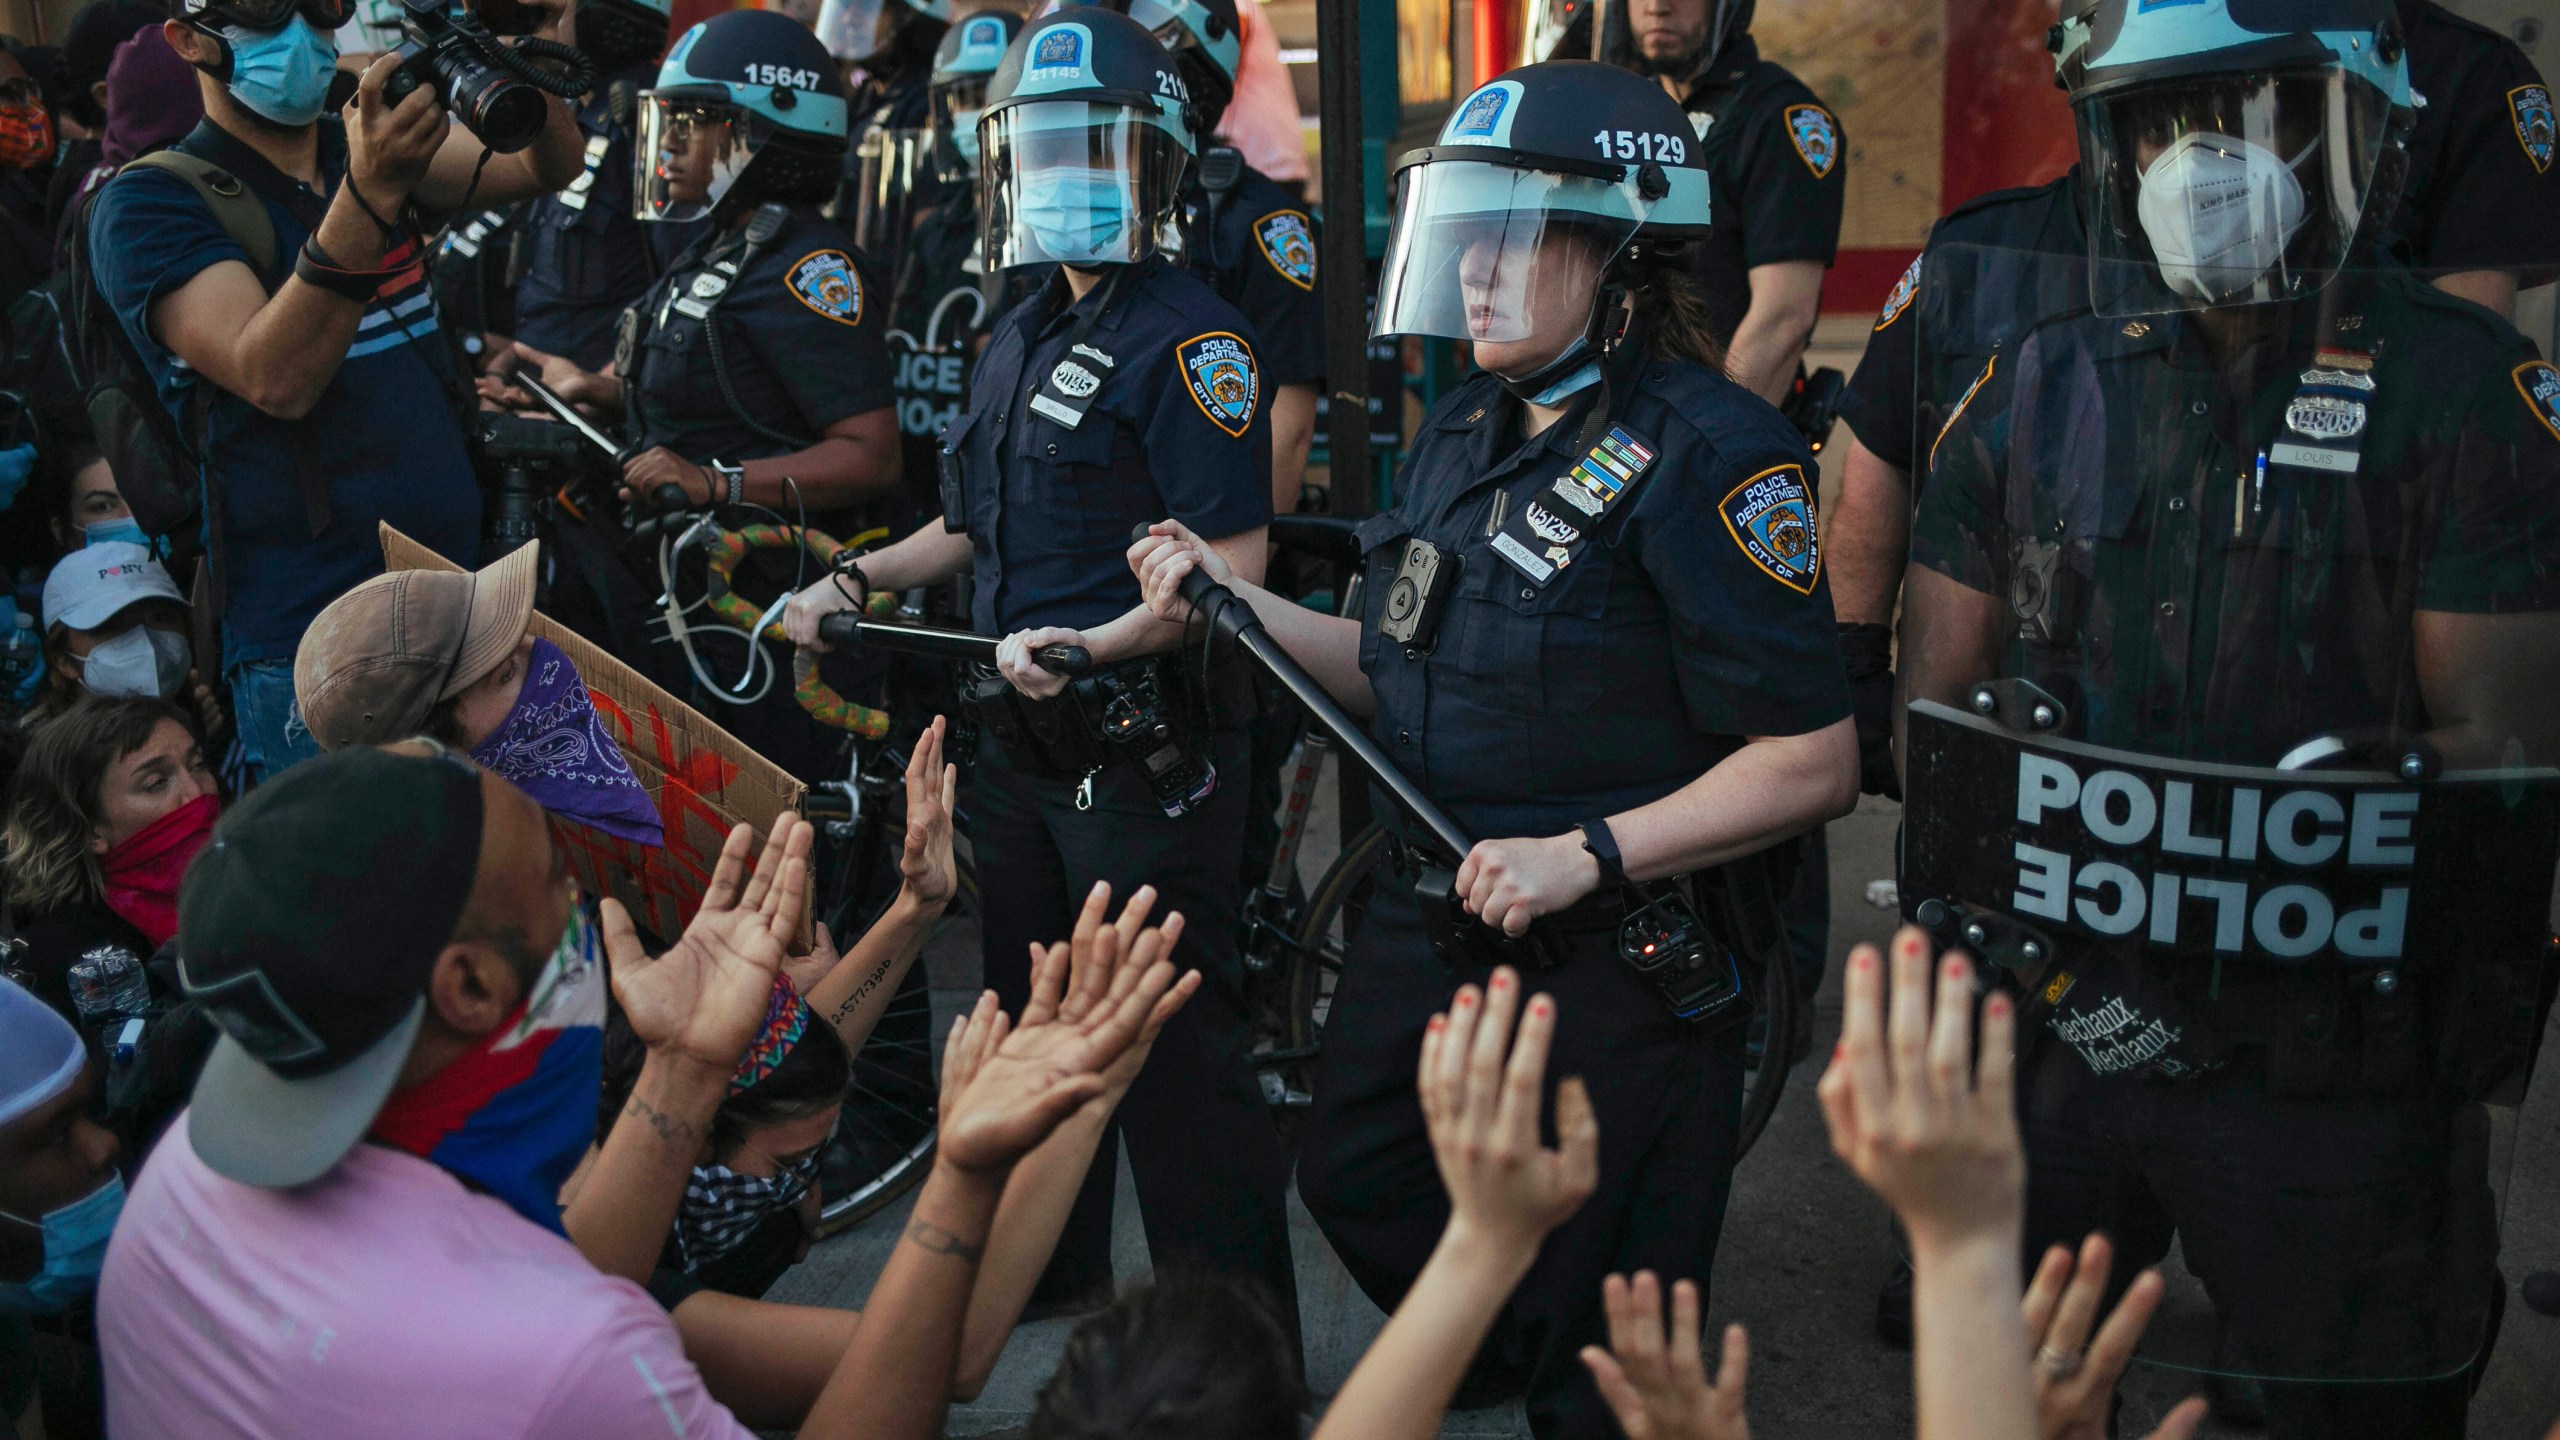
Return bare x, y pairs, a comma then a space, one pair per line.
1304, 984
1762, 1087
884, 1145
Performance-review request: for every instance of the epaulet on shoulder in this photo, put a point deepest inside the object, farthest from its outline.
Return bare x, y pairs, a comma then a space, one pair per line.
1952, 223
2485, 323
2426, 12
1705, 402
1189, 301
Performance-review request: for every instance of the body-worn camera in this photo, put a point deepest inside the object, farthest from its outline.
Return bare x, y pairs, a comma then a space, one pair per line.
492, 87
1137, 723
1667, 947
1424, 579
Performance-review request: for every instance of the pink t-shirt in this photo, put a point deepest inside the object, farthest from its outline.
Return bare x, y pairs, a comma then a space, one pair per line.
382, 1300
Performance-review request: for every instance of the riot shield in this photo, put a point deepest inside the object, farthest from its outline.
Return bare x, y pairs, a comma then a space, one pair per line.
890, 169
2230, 654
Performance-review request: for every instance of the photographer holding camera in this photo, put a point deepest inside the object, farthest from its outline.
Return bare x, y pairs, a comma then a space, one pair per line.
315, 392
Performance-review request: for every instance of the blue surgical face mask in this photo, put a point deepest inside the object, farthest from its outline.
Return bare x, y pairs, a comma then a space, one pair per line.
75, 1249
964, 135
282, 74
1077, 214
123, 530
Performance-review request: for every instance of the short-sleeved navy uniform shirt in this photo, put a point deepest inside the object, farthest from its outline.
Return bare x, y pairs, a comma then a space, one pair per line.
585, 257
1176, 428
1777, 174
2483, 191
2004, 260
386, 433
1649, 658
799, 330
1260, 254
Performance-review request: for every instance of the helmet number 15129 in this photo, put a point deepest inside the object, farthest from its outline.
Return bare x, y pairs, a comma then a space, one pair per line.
1641, 145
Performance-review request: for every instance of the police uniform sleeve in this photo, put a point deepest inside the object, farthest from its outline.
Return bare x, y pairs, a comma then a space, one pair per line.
2498, 547
1208, 436
2494, 201
1751, 625
1278, 296
1957, 529
1878, 403
1793, 182
820, 333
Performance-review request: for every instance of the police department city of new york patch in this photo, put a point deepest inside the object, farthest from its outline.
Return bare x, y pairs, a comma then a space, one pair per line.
2539, 384
1224, 381
2535, 126
824, 280
1771, 517
1817, 137
1289, 245
1900, 299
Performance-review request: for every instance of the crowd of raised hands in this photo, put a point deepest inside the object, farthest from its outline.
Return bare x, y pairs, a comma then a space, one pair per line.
1917, 1098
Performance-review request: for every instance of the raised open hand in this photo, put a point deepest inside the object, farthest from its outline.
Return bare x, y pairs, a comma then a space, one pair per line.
1910, 1108
2075, 1375
1068, 980
1504, 1186
1013, 1085
1660, 1391
702, 1000
926, 869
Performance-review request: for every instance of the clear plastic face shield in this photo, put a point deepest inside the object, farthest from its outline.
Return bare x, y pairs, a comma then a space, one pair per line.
2228, 190
1505, 258
888, 168
957, 103
691, 151
1075, 183
853, 30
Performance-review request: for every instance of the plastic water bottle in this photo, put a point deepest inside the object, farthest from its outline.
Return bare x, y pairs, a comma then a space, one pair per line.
22, 658
109, 980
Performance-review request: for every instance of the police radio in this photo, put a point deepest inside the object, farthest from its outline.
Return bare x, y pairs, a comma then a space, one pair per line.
1137, 724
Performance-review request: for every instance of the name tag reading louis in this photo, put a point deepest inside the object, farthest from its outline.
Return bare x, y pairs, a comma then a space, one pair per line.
1548, 532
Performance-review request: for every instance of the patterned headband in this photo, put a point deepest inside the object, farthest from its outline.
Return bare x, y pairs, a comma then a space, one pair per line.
784, 1020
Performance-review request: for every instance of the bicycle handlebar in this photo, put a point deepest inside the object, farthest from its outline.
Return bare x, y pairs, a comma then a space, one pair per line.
848, 628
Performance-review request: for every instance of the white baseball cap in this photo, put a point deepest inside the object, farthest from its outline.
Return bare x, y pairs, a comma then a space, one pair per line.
90, 586
40, 1054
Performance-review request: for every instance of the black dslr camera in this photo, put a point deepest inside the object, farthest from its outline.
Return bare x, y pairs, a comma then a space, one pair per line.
492, 87
521, 462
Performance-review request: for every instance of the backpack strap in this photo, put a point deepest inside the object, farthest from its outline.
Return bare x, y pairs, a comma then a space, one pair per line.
242, 215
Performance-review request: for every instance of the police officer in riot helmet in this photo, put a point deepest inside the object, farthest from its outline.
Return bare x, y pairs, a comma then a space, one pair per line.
1596, 631
2259, 504
1124, 389
1253, 241
890, 44
943, 295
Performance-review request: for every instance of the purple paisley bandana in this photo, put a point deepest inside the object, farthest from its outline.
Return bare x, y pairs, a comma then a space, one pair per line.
553, 748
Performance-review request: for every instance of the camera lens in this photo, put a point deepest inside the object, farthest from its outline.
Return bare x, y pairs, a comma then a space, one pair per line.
505, 113
1403, 598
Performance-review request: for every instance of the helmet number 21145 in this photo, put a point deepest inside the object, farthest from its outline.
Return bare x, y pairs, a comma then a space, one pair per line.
1641, 145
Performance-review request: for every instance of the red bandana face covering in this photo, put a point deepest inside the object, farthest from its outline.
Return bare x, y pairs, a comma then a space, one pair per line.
26, 136
142, 874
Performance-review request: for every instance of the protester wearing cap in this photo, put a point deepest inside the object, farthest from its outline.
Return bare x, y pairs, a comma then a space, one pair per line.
59, 1197
406, 1072
448, 656
114, 624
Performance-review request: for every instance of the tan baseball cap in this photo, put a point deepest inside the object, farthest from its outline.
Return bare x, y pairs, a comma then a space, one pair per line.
379, 658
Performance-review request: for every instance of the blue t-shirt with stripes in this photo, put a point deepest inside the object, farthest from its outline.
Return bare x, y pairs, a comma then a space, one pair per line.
385, 434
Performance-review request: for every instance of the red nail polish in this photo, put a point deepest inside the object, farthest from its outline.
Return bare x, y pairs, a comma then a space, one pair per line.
1954, 967
1501, 982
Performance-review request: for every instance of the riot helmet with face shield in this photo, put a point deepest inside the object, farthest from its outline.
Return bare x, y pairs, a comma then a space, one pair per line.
1512, 232
968, 56
1083, 145
748, 108
1206, 42
2232, 151
865, 32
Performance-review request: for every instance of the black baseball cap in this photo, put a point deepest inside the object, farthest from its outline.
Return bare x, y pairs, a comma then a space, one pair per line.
306, 931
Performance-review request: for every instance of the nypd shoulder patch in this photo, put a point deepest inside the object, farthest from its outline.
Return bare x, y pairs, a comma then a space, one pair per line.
1816, 136
2539, 384
825, 281
1900, 298
1225, 383
2530, 105
1771, 517
1290, 245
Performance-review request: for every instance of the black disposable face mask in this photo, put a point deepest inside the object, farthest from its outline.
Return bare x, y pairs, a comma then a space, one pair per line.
616, 35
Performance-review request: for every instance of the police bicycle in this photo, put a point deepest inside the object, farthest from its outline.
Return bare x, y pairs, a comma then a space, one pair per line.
1294, 943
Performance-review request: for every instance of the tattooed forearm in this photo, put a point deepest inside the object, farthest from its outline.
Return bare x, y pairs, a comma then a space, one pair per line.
673, 1129
869, 983
942, 1242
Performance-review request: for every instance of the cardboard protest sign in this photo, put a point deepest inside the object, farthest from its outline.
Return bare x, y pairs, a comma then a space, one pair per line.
702, 778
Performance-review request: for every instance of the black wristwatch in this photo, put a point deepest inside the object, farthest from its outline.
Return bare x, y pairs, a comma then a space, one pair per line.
1603, 846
